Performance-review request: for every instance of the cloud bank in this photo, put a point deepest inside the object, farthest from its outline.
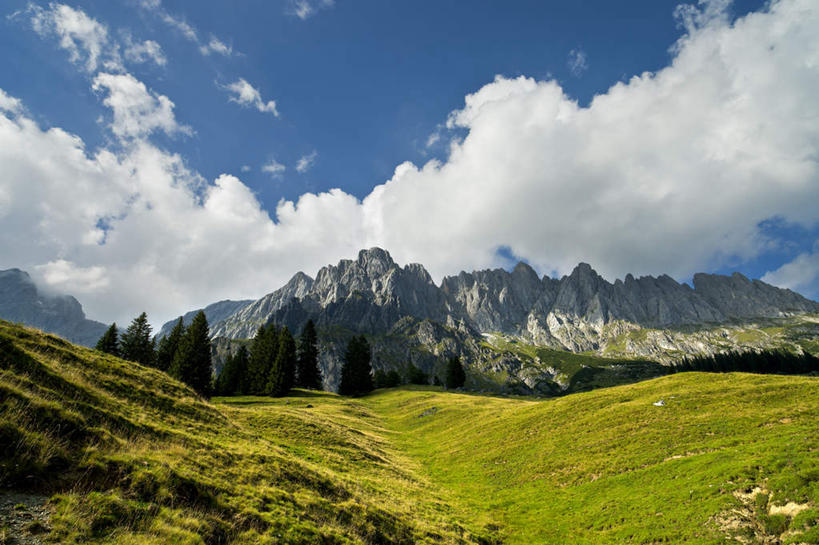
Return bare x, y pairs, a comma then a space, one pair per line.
671, 172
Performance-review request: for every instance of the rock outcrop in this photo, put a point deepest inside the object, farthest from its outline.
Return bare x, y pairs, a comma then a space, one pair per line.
399, 307
21, 301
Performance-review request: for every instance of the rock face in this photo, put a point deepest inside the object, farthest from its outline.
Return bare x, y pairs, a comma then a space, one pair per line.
403, 307
215, 312
21, 301
372, 293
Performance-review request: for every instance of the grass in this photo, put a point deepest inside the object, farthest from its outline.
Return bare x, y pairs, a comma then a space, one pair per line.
609, 466
131, 456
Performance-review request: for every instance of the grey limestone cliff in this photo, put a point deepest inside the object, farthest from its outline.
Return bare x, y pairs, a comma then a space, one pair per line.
21, 301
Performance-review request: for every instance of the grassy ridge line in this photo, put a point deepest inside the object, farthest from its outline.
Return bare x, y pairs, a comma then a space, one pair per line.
144, 461
608, 466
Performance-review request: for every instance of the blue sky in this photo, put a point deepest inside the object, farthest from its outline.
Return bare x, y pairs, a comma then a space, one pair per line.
348, 91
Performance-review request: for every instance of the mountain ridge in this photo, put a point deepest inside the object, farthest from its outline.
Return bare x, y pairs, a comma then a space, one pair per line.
21, 301
371, 293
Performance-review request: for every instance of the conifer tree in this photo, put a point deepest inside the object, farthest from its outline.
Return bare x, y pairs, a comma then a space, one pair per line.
230, 379
109, 342
455, 375
356, 372
136, 343
168, 346
263, 352
192, 361
308, 374
283, 370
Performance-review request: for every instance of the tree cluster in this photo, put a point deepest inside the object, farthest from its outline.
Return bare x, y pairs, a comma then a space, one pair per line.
356, 372
274, 364
185, 354
775, 362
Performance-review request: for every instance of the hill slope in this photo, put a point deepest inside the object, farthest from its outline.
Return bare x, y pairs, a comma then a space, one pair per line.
610, 466
135, 457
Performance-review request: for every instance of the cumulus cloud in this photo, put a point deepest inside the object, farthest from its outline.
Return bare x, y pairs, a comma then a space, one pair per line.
86, 39
274, 168
137, 111
304, 9
141, 52
244, 94
138, 230
801, 274
215, 45
578, 62
306, 162
9, 103
671, 172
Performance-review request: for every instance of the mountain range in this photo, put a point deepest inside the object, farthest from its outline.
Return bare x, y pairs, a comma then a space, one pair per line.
515, 329
410, 318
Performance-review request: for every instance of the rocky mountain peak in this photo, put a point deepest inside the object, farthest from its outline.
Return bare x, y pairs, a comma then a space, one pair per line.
22, 301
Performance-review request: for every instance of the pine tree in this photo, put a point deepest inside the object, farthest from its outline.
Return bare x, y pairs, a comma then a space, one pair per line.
416, 375
263, 352
192, 362
109, 342
282, 373
356, 373
455, 375
136, 343
168, 346
230, 379
308, 374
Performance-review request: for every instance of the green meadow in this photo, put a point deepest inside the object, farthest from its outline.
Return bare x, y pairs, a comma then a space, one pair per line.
126, 454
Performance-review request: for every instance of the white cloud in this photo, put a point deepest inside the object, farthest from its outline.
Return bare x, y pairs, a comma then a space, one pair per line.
85, 39
9, 103
306, 162
146, 51
216, 46
274, 168
669, 172
137, 111
188, 31
67, 277
801, 274
244, 94
246, 168
578, 62
137, 230
304, 9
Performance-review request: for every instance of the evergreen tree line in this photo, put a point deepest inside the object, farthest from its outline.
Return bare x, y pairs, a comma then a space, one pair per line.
185, 353
274, 364
774, 362
455, 376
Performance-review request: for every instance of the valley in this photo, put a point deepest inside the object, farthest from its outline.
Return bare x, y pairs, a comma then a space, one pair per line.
128, 455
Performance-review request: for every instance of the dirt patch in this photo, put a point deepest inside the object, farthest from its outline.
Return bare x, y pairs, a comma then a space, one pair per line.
24, 518
790, 509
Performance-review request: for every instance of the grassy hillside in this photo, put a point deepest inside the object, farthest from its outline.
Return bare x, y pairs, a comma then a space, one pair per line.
609, 466
131, 456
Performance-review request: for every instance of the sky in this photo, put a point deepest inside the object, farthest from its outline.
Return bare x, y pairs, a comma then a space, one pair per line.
161, 155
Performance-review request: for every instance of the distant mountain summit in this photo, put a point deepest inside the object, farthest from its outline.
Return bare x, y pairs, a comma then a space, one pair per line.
500, 321
372, 293
21, 301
